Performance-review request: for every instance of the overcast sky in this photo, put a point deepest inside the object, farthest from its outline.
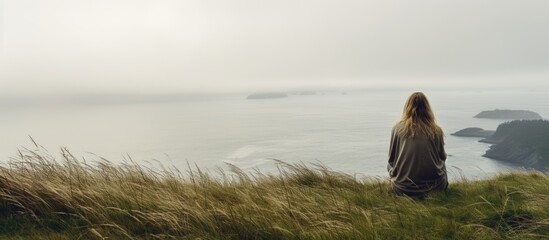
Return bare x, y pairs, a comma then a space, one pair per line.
157, 46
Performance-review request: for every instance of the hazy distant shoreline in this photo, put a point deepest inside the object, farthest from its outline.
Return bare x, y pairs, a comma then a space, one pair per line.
348, 133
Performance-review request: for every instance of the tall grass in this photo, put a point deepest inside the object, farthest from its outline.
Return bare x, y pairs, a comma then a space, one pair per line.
44, 198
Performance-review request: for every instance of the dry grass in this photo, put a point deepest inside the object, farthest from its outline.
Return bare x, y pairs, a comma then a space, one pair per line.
41, 198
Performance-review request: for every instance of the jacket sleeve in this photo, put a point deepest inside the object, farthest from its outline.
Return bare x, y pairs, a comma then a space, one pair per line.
393, 149
441, 151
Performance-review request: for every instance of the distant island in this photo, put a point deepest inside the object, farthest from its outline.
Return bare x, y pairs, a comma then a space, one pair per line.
474, 132
521, 141
304, 93
509, 114
267, 95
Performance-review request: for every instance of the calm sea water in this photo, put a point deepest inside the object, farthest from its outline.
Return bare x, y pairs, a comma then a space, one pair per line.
348, 133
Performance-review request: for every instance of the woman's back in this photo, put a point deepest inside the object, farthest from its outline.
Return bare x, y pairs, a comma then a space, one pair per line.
416, 152
416, 162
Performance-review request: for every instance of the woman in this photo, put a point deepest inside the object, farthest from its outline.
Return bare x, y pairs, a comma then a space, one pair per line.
416, 154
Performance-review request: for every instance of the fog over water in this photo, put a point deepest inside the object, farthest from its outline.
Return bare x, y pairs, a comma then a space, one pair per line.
168, 79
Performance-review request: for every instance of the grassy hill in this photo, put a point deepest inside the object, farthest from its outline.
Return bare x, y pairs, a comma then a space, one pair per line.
69, 199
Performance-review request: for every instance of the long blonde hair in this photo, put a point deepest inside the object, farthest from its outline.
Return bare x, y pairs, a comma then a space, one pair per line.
418, 118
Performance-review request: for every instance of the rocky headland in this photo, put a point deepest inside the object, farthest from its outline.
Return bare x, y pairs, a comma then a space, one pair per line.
525, 142
509, 114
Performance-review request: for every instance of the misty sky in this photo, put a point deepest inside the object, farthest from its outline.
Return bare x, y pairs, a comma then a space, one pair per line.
157, 46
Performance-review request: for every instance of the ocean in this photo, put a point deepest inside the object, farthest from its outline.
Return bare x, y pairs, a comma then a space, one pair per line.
345, 132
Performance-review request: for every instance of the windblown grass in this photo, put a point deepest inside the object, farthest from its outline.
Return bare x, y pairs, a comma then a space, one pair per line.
43, 198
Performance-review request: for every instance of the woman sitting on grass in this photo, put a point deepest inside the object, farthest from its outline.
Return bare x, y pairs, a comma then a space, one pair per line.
416, 154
